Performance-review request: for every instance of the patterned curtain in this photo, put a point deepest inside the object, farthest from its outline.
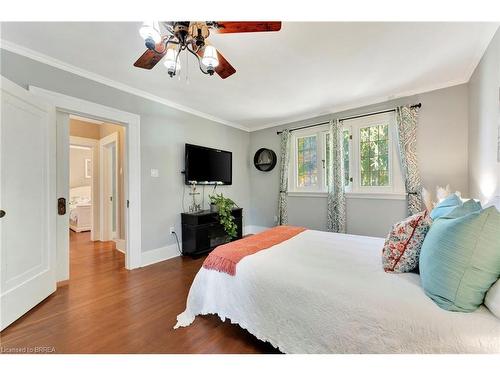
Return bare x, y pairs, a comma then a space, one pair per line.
406, 118
284, 161
335, 180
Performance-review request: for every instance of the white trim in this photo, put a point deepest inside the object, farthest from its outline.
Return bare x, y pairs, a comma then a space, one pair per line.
105, 230
84, 119
171, 251
385, 196
331, 112
120, 245
80, 148
132, 170
159, 255
319, 133
478, 56
308, 194
48, 60
87, 143
396, 181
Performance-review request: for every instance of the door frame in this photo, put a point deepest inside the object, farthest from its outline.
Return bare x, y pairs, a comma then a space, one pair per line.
94, 185
106, 232
132, 163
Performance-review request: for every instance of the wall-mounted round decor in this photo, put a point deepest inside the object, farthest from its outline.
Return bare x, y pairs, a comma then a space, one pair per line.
265, 160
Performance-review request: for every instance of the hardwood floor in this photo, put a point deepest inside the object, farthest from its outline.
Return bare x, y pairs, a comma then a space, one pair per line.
106, 309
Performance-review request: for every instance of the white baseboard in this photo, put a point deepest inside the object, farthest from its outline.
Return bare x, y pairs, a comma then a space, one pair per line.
159, 255
171, 251
120, 244
253, 229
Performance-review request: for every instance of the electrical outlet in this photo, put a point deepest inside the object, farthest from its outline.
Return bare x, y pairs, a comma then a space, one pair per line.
275, 218
172, 230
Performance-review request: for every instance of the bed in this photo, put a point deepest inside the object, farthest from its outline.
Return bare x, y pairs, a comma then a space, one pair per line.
321, 292
80, 209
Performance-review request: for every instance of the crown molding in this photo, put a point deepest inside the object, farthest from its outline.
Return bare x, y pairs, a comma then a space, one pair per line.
48, 60
480, 51
362, 103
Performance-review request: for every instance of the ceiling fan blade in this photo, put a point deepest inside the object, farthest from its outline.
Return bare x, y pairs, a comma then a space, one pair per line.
224, 69
246, 27
150, 58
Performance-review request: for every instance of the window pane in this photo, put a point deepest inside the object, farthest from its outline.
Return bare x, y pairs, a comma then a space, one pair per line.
374, 155
307, 166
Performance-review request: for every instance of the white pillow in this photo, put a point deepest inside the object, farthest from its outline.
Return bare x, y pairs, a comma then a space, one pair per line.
427, 198
495, 201
492, 299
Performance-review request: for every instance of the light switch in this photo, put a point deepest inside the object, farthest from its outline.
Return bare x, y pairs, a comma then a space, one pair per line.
154, 173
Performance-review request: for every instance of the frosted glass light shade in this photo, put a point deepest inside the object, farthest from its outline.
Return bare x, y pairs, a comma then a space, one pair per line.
170, 61
210, 58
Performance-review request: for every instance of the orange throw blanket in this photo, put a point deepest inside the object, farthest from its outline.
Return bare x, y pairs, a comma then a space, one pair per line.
225, 257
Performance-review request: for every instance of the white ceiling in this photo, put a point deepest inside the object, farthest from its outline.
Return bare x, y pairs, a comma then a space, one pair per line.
305, 70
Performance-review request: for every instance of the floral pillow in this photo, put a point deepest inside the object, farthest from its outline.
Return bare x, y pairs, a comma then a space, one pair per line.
402, 247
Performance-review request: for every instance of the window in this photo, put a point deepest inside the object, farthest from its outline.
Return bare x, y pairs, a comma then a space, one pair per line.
307, 161
374, 155
370, 160
373, 159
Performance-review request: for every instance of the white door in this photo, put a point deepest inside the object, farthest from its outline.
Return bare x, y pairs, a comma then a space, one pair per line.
109, 186
28, 201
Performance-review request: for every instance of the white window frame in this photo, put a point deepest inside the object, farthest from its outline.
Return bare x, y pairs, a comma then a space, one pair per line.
396, 182
396, 188
320, 188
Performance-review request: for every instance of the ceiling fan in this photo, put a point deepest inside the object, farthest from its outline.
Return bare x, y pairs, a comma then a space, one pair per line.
192, 36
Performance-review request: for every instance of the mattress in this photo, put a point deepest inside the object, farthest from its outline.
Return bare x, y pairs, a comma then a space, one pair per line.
321, 292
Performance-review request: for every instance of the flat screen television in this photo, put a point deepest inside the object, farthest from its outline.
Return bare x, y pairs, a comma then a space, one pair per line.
207, 165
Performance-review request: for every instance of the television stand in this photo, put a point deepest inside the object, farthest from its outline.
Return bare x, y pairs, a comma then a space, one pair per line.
202, 232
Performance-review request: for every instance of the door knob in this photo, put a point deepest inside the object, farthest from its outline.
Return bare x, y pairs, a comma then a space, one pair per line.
2, 213
61, 206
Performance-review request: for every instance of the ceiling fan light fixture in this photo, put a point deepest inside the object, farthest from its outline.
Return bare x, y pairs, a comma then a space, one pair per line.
210, 59
171, 62
191, 36
150, 30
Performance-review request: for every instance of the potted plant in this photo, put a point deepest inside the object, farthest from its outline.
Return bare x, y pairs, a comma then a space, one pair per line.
224, 207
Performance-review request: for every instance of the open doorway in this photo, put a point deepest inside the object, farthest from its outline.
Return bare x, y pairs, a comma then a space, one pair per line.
96, 185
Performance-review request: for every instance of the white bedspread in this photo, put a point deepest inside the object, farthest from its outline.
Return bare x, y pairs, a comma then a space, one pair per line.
322, 292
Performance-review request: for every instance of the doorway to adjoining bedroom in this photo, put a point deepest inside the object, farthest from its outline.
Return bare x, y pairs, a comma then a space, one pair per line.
96, 188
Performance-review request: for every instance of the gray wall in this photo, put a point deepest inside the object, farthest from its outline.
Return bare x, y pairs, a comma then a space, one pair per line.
484, 120
442, 147
164, 131
442, 152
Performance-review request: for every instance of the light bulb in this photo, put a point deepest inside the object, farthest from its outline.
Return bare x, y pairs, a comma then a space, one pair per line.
210, 59
171, 62
150, 30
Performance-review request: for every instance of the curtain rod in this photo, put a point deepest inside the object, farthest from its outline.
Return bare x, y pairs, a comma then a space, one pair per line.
349, 118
